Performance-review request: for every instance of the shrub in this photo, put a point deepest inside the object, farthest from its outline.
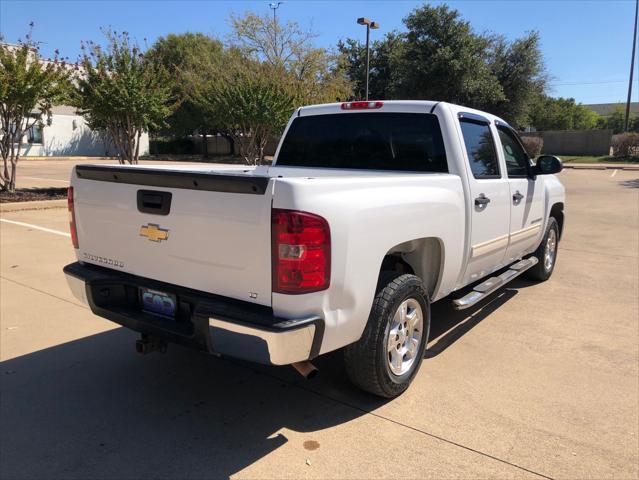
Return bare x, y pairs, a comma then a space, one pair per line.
625, 145
177, 146
533, 145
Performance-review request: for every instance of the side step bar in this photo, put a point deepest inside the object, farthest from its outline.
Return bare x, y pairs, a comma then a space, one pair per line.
489, 286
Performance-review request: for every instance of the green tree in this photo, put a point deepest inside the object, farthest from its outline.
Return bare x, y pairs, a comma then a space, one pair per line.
384, 59
181, 54
440, 57
550, 113
122, 93
310, 74
248, 91
29, 87
443, 59
246, 103
519, 69
615, 121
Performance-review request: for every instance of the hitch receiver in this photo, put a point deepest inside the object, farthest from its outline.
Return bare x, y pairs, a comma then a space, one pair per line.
147, 344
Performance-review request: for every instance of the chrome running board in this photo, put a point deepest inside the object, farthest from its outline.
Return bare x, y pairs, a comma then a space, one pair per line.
489, 286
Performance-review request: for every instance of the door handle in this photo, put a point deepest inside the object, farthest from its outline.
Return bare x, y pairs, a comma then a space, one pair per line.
154, 202
482, 201
517, 197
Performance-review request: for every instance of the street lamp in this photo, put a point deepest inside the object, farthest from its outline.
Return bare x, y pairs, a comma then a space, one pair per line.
274, 6
369, 24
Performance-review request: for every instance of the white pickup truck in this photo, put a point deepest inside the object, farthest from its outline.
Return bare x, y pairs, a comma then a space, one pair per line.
370, 212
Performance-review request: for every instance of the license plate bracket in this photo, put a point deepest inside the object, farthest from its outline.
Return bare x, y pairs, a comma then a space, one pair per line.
157, 302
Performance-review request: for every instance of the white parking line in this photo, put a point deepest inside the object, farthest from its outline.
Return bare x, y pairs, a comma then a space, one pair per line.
614, 172
47, 179
35, 227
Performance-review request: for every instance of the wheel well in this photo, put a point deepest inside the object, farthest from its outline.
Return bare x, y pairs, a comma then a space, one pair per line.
421, 257
557, 211
393, 262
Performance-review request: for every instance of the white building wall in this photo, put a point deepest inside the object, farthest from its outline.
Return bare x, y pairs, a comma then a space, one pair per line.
68, 136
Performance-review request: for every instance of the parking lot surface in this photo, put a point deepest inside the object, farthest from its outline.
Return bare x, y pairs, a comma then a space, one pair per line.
540, 381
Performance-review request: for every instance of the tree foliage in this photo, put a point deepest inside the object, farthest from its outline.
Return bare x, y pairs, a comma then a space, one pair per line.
549, 113
181, 54
616, 121
519, 69
444, 59
384, 59
242, 101
254, 109
248, 89
440, 57
122, 93
308, 73
29, 87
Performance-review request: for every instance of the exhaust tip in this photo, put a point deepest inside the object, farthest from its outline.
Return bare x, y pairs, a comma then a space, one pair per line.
306, 369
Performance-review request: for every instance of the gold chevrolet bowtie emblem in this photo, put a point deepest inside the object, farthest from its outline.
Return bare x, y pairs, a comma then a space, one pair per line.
154, 233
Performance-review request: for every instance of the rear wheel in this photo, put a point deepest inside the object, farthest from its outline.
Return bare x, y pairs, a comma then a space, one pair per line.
546, 253
387, 357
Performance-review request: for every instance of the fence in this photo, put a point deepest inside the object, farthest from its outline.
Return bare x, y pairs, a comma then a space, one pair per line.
218, 145
574, 142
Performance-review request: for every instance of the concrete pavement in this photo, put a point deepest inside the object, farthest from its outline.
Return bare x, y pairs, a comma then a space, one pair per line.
56, 173
542, 381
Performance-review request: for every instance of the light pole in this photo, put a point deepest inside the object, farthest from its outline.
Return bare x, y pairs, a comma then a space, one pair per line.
274, 6
369, 24
632, 67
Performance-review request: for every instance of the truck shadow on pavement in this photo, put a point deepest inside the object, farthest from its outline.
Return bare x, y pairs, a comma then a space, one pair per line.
91, 408
630, 183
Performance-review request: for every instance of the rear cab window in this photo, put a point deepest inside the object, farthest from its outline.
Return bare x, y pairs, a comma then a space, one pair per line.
365, 141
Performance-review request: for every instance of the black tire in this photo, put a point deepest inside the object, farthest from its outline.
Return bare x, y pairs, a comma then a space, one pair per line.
541, 272
366, 361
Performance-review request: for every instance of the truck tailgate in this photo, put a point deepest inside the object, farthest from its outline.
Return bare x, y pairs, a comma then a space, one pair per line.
206, 231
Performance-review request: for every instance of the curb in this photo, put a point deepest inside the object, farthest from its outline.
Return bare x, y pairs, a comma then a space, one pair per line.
598, 166
65, 159
34, 205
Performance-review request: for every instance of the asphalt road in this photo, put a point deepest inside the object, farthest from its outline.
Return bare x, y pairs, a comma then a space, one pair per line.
542, 381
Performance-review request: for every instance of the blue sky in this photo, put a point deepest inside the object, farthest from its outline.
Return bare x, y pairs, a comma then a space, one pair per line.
586, 44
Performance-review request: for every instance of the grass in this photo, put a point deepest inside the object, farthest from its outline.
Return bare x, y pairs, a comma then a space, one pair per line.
604, 159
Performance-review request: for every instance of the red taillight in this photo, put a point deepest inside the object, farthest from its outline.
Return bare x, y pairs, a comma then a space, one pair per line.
361, 105
301, 252
74, 232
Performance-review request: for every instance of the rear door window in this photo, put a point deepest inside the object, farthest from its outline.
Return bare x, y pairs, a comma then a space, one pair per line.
480, 148
366, 141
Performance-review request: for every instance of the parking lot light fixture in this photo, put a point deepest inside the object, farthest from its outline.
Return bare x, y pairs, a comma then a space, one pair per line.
369, 24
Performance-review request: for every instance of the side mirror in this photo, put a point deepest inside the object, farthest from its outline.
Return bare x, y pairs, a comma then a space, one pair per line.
548, 164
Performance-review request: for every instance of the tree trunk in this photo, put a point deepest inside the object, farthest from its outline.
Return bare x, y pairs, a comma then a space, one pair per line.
15, 155
231, 143
205, 145
12, 182
137, 147
5, 173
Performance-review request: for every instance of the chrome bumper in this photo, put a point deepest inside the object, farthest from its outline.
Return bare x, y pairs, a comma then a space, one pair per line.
78, 288
269, 340
273, 346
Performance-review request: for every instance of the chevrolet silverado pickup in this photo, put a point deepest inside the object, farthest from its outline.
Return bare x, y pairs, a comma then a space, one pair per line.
369, 212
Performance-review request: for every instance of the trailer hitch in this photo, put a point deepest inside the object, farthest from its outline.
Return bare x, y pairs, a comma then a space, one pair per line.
147, 344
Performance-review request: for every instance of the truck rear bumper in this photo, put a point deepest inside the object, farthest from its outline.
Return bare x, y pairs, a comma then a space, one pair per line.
203, 321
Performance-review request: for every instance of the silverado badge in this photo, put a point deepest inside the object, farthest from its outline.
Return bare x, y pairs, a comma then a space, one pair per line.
153, 232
